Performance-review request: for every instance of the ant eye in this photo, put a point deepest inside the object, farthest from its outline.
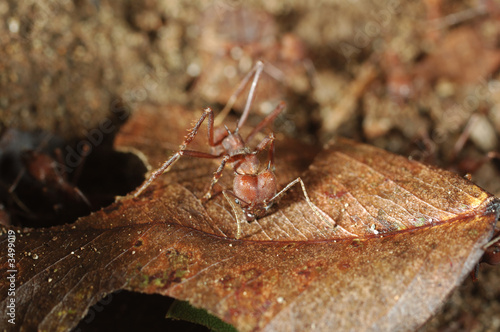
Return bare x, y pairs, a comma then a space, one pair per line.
250, 215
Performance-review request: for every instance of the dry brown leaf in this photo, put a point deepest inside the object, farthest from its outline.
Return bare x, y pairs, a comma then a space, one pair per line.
407, 235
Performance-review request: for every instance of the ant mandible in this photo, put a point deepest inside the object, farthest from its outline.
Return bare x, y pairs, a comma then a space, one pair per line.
254, 190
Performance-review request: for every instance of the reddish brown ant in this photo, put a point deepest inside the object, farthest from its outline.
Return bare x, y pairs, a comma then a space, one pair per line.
44, 169
33, 171
491, 254
254, 190
492, 250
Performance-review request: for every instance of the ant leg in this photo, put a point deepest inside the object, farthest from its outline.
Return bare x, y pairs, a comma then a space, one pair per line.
234, 207
19, 203
308, 200
267, 120
218, 173
492, 250
267, 141
14, 184
256, 70
63, 175
207, 113
82, 196
259, 67
496, 238
166, 166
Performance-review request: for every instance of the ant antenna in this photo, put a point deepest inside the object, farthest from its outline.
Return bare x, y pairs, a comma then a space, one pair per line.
251, 94
256, 71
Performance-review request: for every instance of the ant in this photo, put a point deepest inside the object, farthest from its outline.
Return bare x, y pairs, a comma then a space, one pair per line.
491, 254
254, 190
47, 171
32, 170
492, 250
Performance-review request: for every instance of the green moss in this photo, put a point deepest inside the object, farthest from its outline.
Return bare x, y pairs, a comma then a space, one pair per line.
184, 311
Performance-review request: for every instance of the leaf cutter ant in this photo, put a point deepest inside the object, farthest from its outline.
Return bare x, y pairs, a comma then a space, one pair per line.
492, 250
254, 190
33, 171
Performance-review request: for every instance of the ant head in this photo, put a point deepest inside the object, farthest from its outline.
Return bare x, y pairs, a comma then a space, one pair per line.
256, 211
233, 141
